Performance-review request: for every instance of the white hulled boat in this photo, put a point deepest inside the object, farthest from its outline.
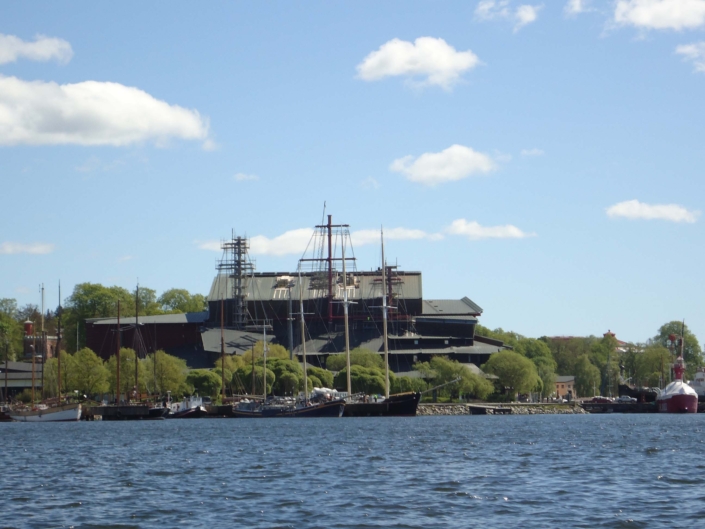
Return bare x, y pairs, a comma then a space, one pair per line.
678, 397
43, 413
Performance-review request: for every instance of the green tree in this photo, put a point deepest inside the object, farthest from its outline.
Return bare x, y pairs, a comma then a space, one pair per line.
654, 366
692, 353
51, 368
127, 372
406, 384
604, 355
566, 351
280, 366
92, 300
148, 304
88, 376
540, 354
324, 377
514, 371
440, 370
243, 375
358, 357
204, 382
587, 376
179, 300
368, 380
164, 372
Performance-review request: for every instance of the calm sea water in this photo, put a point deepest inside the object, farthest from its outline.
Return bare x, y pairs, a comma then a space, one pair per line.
425, 472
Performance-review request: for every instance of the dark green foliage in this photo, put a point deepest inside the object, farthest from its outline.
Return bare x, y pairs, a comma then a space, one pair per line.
441, 370
323, 377
406, 384
204, 382
369, 380
515, 371
358, 357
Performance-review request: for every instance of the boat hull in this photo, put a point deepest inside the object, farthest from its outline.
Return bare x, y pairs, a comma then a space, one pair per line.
326, 409
678, 404
401, 405
191, 413
66, 413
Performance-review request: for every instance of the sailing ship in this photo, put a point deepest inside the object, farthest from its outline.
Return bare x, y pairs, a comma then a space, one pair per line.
44, 413
398, 405
322, 404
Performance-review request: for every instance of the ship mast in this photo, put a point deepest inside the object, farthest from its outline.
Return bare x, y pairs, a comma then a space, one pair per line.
345, 311
222, 354
137, 329
303, 337
117, 355
384, 320
264, 359
58, 345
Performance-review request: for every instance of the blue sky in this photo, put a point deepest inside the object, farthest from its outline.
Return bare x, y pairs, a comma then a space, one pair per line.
544, 159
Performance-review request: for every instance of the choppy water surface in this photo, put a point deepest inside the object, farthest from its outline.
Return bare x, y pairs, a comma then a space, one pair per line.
424, 472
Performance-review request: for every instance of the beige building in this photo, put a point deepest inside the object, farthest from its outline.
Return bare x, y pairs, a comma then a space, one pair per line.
565, 387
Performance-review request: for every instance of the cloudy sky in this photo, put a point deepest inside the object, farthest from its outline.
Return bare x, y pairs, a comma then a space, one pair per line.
544, 159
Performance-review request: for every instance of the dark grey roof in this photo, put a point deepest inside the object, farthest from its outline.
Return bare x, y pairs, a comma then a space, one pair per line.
236, 342
450, 307
191, 317
20, 367
565, 378
321, 345
271, 286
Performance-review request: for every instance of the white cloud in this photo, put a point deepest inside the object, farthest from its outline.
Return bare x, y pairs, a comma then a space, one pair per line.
90, 113
213, 246
242, 177
126, 258
454, 163
42, 49
38, 248
532, 152
362, 237
474, 231
526, 14
694, 52
575, 7
501, 9
290, 242
633, 209
370, 183
427, 57
660, 14
295, 242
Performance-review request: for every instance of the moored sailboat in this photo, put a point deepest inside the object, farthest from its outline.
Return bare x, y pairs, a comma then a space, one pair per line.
400, 404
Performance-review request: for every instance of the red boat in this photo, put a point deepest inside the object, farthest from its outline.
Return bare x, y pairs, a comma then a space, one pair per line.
678, 397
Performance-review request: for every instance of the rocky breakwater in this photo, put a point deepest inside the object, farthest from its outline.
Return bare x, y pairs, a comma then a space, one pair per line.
497, 409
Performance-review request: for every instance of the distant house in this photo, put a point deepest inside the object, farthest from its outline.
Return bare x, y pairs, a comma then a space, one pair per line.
565, 387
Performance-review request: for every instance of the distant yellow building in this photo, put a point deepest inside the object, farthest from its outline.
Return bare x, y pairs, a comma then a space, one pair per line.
565, 386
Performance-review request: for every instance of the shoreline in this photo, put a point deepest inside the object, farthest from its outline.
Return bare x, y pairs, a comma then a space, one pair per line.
498, 409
